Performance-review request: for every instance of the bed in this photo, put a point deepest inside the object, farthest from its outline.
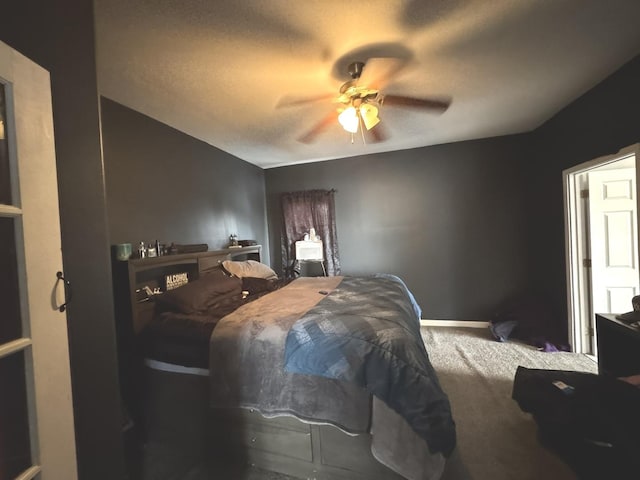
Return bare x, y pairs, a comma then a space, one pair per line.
322, 377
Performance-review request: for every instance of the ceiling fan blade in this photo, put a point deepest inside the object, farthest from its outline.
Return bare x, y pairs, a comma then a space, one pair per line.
378, 72
294, 101
321, 126
437, 105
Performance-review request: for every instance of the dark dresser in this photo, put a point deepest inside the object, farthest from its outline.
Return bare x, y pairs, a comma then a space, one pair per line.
618, 346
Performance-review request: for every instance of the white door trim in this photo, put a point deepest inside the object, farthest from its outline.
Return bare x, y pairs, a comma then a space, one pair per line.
578, 276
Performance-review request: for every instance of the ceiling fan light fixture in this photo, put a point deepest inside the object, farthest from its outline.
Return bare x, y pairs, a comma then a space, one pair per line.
349, 120
360, 99
369, 114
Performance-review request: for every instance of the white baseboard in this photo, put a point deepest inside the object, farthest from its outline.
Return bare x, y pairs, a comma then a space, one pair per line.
454, 323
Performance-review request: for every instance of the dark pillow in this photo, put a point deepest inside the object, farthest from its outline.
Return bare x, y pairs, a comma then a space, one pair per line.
255, 285
200, 295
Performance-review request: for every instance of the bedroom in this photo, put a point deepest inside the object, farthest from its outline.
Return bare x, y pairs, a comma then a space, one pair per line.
522, 246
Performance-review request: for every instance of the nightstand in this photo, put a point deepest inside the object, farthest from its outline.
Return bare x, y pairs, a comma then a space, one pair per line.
618, 346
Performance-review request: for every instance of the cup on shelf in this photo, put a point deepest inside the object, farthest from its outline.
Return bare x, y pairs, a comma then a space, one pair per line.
123, 251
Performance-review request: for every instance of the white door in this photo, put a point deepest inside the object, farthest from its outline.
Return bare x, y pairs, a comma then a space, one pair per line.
36, 417
613, 231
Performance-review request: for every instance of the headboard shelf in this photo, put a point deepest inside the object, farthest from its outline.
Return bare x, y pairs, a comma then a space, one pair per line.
130, 278
253, 252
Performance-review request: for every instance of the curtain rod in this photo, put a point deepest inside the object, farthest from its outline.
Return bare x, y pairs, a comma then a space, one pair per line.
333, 190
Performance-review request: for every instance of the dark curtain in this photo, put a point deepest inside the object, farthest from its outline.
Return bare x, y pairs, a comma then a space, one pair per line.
302, 211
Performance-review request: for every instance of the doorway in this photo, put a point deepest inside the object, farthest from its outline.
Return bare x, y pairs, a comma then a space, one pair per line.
601, 241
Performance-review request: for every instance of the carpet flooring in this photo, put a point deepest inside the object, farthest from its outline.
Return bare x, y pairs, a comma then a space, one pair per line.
497, 441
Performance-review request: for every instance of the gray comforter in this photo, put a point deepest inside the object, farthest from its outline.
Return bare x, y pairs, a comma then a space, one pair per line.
367, 332
247, 369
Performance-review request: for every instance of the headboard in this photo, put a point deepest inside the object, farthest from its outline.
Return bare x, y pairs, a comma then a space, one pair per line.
132, 306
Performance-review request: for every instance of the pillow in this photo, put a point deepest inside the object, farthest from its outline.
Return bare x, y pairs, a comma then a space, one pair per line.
198, 296
256, 286
249, 268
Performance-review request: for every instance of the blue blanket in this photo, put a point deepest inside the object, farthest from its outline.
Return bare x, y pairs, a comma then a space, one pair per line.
367, 332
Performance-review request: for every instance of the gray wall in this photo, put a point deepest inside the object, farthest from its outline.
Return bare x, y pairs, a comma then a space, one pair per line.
59, 36
163, 184
448, 219
601, 122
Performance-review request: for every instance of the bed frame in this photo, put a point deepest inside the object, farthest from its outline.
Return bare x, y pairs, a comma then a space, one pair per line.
236, 438
172, 410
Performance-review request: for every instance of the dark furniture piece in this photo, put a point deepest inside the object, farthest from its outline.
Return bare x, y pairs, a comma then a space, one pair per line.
618, 346
133, 311
592, 425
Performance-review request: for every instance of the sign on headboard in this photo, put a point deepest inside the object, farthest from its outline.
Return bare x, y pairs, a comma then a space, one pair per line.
175, 280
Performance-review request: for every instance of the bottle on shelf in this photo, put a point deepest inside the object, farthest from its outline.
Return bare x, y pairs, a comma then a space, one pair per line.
142, 250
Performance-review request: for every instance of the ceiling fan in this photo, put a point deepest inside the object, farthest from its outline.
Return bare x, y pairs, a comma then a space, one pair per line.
360, 100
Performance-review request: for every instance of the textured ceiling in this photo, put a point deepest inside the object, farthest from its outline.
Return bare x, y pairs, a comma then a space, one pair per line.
216, 69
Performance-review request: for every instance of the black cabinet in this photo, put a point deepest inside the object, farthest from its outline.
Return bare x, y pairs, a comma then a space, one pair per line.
618, 346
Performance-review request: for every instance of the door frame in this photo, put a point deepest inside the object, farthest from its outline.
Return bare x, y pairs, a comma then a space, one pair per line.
578, 275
